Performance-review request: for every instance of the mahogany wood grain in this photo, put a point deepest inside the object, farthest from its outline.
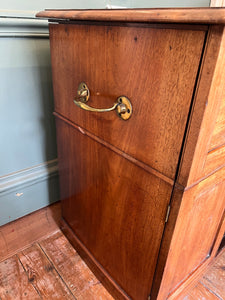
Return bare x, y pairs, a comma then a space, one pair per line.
199, 217
81, 281
23, 232
214, 278
190, 282
218, 136
219, 239
151, 66
213, 104
42, 274
14, 284
108, 282
214, 159
102, 191
117, 178
166, 240
118, 151
208, 74
173, 15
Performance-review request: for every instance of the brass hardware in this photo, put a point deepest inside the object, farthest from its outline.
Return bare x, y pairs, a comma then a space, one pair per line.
167, 214
122, 105
83, 92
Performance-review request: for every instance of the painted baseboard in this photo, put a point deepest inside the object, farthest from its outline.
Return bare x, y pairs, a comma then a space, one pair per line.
20, 24
28, 190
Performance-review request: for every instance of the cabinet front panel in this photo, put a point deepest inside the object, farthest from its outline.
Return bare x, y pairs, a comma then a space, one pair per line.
115, 208
155, 68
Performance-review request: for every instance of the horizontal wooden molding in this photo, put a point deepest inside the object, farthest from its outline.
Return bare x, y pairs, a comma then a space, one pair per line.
28, 177
119, 152
194, 15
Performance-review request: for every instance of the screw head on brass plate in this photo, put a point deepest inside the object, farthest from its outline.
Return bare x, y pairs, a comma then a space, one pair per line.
124, 109
83, 92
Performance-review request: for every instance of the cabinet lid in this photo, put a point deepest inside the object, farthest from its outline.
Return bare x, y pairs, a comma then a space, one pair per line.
213, 15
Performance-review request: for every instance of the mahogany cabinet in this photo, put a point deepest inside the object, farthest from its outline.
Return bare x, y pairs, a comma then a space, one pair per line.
140, 115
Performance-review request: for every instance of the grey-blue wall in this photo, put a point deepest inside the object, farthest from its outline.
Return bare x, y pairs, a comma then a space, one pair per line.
28, 155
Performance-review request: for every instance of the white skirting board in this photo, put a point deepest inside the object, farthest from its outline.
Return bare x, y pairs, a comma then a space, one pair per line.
28, 190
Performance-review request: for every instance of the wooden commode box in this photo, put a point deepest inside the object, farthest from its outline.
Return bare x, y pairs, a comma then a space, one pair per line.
140, 115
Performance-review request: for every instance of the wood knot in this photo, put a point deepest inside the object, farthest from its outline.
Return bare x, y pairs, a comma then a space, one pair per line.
31, 279
30, 273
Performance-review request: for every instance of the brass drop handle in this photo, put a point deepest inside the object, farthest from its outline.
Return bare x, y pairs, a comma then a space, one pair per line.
122, 106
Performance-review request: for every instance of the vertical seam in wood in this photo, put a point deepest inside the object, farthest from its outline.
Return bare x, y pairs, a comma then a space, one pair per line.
214, 30
28, 277
182, 146
192, 104
216, 235
48, 258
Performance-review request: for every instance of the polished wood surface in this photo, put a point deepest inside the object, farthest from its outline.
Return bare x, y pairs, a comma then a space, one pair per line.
101, 191
218, 136
109, 283
119, 179
166, 241
208, 73
215, 159
200, 167
211, 284
204, 119
118, 151
160, 15
151, 66
199, 217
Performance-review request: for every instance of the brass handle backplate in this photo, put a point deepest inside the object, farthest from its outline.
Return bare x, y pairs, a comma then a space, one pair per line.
122, 105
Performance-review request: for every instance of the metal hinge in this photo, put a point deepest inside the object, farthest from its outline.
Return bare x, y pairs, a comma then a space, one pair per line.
167, 214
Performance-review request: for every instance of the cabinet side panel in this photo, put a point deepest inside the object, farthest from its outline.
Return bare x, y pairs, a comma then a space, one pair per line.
197, 225
218, 136
214, 160
202, 162
204, 109
167, 236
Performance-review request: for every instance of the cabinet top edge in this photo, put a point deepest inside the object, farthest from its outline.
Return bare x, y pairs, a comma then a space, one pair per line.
211, 15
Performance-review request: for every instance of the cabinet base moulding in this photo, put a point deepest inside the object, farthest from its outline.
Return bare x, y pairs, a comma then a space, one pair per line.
93, 264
